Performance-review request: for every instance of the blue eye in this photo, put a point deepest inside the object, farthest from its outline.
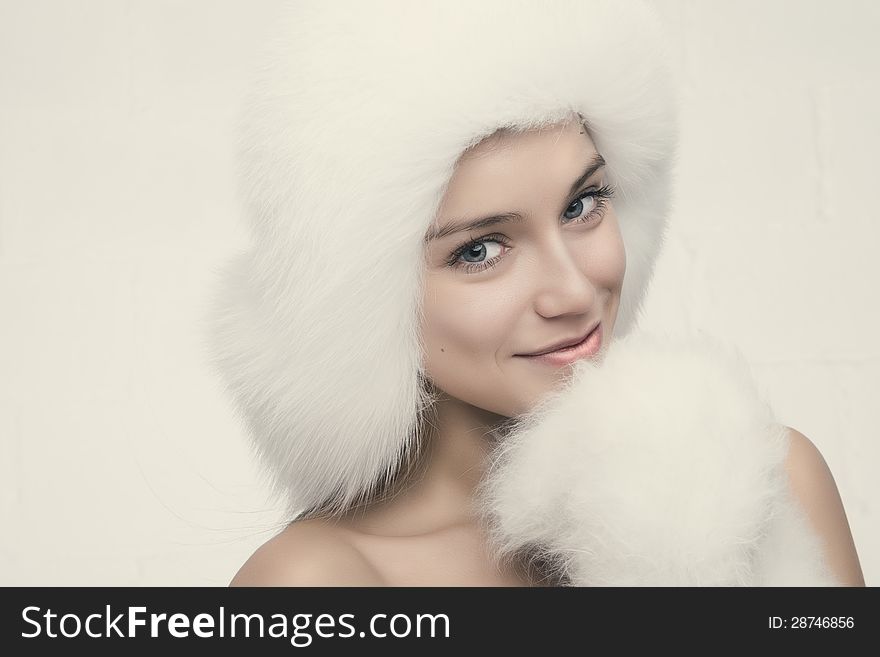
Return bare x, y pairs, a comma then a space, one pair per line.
598, 199
577, 208
477, 254
478, 251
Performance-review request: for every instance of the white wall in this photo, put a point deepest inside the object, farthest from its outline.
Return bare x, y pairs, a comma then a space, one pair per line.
775, 234
122, 462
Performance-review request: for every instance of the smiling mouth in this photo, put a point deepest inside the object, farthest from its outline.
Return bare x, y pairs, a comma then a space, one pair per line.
589, 346
565, 345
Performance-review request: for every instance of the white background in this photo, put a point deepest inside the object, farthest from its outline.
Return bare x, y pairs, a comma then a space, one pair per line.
122, 461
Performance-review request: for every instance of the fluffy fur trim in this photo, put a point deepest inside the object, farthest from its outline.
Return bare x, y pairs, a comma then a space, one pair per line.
659, 466
348, 140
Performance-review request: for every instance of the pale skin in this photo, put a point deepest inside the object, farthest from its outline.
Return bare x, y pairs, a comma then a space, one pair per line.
555, 272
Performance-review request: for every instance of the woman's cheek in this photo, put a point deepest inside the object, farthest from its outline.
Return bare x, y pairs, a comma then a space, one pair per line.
464, 326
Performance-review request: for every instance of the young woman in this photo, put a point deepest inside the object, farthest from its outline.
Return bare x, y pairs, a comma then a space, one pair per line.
456, 210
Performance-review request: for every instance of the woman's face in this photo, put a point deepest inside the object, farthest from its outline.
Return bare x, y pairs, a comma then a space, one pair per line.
546, 274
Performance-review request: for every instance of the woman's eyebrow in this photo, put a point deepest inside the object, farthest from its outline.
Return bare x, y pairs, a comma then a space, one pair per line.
454, 226
595, 164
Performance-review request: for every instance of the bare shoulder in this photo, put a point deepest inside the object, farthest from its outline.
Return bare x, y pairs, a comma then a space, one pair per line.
307, 553
814, 488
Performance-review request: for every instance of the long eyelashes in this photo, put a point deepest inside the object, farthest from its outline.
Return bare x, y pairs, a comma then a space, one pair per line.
471, 267
600, 197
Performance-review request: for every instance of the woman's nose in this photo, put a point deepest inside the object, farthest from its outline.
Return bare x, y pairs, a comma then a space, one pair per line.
561, 284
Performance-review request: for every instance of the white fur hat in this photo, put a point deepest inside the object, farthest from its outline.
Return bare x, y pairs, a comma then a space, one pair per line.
348, 140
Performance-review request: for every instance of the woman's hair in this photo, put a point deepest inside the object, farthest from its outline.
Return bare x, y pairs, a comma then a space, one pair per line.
350, 134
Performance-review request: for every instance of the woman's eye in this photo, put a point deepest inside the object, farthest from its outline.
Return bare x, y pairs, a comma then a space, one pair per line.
479, 252
588, 203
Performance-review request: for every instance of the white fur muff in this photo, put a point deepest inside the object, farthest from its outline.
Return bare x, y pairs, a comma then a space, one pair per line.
659, 464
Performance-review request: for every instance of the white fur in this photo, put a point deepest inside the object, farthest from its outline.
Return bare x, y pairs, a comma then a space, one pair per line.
660, 465
348, 139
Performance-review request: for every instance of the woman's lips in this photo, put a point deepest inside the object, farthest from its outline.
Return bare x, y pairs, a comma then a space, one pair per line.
588, 347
